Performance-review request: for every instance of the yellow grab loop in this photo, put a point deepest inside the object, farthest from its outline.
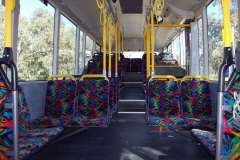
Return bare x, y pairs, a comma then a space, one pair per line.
227, 33
195, 77
62, 76
10, 6
93, 76
162, 77
101, 6
157, 7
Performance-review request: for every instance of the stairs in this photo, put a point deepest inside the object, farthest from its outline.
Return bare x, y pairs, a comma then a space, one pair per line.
132, 95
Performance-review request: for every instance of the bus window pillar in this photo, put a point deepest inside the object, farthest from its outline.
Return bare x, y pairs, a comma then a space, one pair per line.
187, 49
77, 50
94, 47
205, 41
83, 53
194, 54
57, 21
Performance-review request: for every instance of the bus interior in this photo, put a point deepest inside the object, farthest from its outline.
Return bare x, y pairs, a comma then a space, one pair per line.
119, 80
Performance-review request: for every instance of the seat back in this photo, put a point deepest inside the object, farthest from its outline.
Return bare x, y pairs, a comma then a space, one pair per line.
6, 119
163, 98
93, 102
195, 98
60, 99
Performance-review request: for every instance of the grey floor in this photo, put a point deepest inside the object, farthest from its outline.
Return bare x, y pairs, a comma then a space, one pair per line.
127, 138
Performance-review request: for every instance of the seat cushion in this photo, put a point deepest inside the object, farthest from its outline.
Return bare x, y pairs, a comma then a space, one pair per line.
47, 121
207, 138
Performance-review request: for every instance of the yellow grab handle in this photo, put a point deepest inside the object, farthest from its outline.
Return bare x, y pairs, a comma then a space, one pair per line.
10, 6
93, 76
164, 77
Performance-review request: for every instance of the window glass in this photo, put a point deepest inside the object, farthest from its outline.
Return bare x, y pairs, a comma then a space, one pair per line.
234, 21
200, 47
133, 55
214, 10
89, 50
2, 27
98, 48
66, 58
35, 43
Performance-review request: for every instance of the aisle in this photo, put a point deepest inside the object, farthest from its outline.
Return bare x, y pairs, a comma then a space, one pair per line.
128, 138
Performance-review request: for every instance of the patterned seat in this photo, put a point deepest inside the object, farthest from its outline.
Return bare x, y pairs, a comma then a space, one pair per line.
60, 102
163, 103
93, 103
196, 107
30, 139
231, 139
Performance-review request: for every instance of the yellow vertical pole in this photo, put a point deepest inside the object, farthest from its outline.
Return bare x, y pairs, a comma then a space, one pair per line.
10, 6
104, 44
116, 49
152, 45
122, 42
227, 33
148, 51
110, 49
119, 41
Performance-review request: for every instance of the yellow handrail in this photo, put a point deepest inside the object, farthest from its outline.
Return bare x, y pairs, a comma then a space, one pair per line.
164, 77
169, 66
195, 77
227, 33
10, 6
68, 76
172, 25
93, 76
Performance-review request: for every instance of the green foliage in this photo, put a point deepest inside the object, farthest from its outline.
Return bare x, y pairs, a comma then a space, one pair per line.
1, 29
35, 45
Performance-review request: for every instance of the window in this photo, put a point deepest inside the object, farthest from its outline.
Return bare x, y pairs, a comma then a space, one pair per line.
133, 55
98, 48
2, 27
215, 38
89, 49
176, 48
66, 58
200, 46
35, 43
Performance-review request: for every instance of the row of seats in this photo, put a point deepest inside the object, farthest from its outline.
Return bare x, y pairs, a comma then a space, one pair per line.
85, 103
31, 138
164, 67
186, 103
231, 137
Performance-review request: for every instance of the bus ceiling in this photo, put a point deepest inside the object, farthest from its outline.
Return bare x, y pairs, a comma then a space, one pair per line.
132, 15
